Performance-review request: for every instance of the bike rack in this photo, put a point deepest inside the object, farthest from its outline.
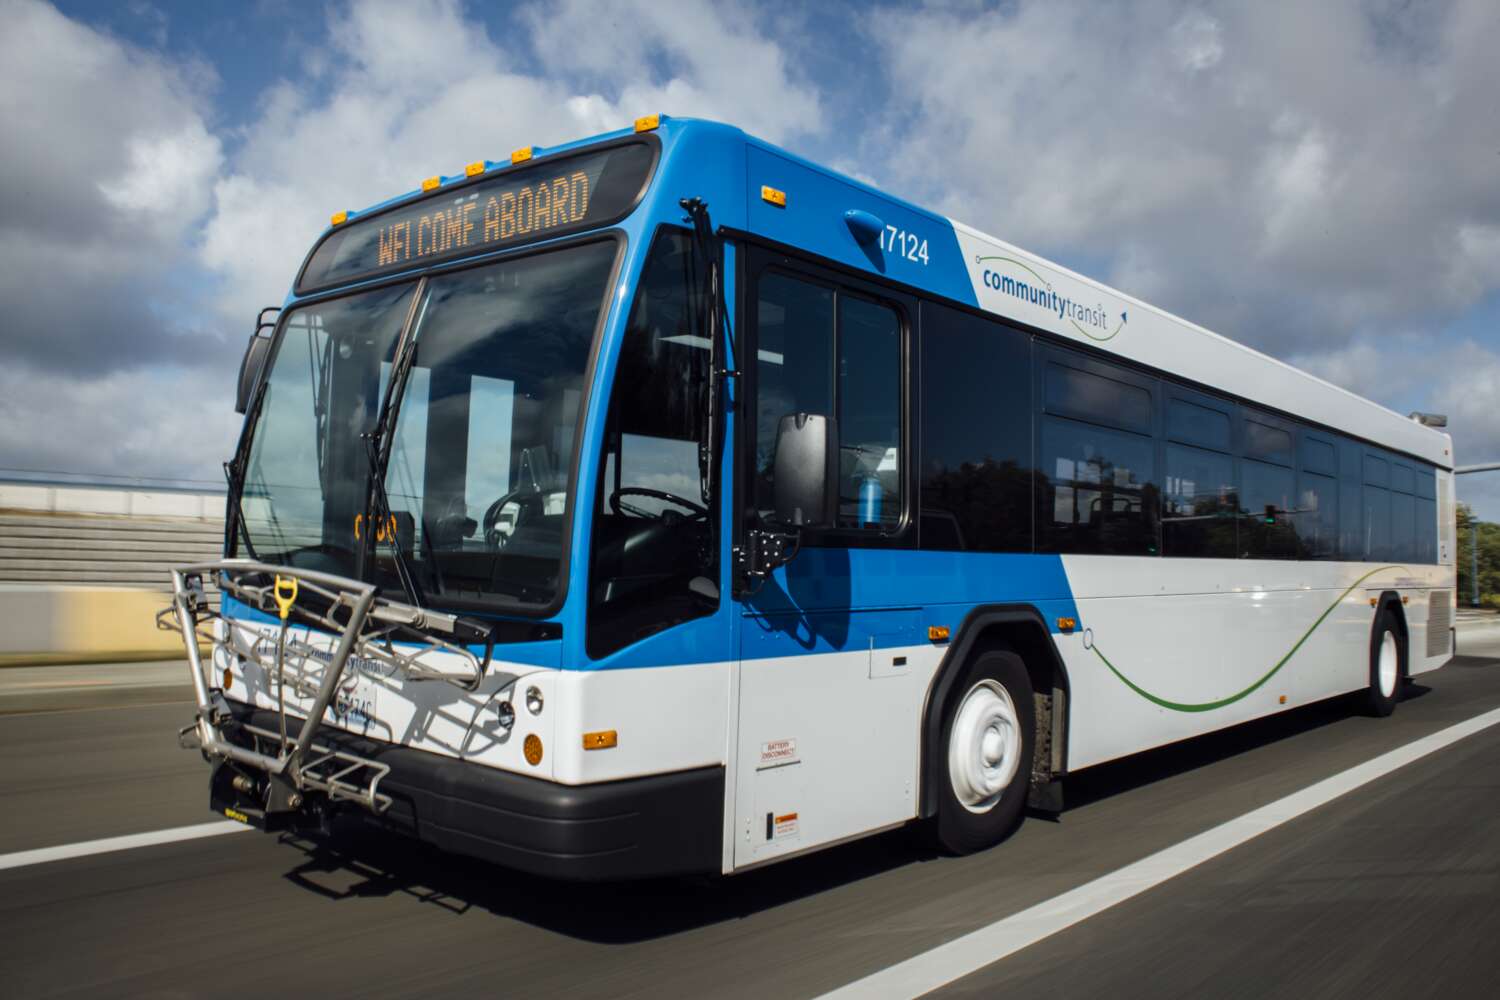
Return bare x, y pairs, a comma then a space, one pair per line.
366, 626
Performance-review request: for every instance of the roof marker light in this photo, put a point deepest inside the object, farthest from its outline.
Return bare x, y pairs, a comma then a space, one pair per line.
772, 195
474, 169
522, 155
338, 218
648, 123
431, 183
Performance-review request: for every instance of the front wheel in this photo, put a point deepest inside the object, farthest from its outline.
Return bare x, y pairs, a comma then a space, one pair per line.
988, 739
1387, 665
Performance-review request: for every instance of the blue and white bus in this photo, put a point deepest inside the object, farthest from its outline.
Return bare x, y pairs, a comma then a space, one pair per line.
663, 502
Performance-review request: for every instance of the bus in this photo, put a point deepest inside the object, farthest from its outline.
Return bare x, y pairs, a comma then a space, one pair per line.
665, 503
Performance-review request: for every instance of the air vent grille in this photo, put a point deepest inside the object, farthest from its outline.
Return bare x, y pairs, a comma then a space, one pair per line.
1439, 621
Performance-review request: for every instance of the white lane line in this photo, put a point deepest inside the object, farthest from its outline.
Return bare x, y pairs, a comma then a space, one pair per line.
987, 945
42, 855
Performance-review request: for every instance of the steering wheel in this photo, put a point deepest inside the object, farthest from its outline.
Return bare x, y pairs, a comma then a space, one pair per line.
699, 512
523, 495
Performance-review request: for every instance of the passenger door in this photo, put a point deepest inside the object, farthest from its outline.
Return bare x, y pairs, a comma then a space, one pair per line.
828, 694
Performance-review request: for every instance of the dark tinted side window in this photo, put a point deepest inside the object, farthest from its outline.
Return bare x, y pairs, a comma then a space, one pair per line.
1426, 504
1200, 504
1317, 512
1351, 505
1268, 490
1377, 509
1096, 479
1089, 390
976, 433
1204, 423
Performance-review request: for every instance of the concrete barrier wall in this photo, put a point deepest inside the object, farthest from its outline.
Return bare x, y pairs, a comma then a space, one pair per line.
84, 569
39, 623
62, 498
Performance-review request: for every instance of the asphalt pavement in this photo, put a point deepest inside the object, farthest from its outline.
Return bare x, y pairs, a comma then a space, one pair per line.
1392, 890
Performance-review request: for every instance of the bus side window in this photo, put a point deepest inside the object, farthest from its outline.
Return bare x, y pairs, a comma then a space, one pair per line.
1097, 485
1318, 499
1200, 501
976, 433
1268, 489
1377, 508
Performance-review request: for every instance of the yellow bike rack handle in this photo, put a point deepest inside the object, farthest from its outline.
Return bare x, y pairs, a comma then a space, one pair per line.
285, 595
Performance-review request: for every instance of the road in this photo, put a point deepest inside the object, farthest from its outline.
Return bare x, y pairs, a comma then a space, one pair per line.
1391, 890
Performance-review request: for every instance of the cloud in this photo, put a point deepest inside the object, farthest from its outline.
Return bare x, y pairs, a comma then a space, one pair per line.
168, 422
106, 169
1284, 177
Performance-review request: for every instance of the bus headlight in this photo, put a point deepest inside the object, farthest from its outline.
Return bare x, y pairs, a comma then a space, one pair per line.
534, 700
505, 715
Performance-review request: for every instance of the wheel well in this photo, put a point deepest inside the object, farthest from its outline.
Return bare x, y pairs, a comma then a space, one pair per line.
1392, 601
1022, 630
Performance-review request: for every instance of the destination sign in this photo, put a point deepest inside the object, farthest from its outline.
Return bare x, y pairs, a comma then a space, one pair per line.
536, 202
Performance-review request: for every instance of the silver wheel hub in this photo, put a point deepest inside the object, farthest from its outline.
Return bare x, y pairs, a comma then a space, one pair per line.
1389, 665
984, 746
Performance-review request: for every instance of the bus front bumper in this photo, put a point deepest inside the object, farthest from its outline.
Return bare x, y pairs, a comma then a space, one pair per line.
668, 824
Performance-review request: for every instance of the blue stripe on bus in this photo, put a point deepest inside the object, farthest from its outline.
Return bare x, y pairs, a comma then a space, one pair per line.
826, 600
547, 653
841, 600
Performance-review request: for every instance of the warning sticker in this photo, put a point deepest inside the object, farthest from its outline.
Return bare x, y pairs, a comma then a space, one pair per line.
778, 752
784, 826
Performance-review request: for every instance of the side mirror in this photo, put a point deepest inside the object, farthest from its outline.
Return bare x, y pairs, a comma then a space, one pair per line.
255, 357
250, 366
805, 470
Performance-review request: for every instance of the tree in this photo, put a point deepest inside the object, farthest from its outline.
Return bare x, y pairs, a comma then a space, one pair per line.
1489, 560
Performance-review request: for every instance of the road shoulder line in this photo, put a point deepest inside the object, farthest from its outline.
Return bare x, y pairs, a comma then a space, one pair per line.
968, 954
43, 855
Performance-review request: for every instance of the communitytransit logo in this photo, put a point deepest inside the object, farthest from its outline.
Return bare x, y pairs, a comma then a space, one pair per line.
1017, 279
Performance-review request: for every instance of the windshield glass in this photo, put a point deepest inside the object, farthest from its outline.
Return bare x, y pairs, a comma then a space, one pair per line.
481, 457
306, 477
481, 464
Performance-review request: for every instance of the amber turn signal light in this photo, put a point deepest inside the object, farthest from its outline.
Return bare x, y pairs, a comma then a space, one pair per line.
602, 740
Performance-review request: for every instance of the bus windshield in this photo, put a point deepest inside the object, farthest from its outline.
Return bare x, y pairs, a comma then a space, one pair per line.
478, 478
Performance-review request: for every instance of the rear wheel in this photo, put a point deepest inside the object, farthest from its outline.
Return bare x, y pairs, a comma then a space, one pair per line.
988, 739
1387, 665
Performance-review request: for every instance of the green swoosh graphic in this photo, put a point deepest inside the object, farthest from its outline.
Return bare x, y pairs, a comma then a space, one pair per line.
1029, 270
1208, 706
1108, 336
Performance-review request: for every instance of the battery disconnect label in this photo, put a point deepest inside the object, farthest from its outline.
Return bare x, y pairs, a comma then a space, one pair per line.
784, 826
777, 752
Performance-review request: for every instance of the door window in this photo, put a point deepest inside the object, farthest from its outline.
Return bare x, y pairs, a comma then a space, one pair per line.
826, 351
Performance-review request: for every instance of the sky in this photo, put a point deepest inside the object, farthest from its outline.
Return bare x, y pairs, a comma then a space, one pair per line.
1319, 181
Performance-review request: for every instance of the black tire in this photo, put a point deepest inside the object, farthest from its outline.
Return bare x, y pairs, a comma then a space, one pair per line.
1384, 689
961, 828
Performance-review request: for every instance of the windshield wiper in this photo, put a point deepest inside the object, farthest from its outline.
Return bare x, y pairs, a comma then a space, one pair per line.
381, 519
236, 468
378, 452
